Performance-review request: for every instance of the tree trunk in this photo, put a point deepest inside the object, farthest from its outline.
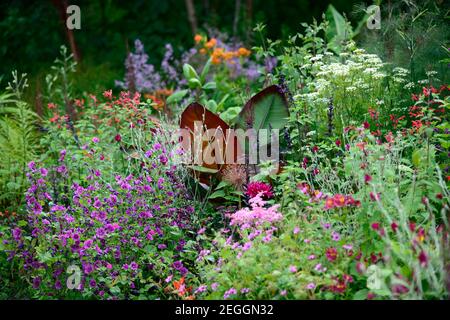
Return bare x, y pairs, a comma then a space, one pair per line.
191, 15
249, 15
61, 6
237, 10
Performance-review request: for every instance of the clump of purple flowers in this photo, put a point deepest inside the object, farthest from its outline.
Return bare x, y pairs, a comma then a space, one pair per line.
121, 234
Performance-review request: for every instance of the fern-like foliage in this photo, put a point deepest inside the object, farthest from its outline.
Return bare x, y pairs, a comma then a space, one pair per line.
19, 142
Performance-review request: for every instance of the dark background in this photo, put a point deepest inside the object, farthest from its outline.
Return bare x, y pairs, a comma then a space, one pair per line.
31, 32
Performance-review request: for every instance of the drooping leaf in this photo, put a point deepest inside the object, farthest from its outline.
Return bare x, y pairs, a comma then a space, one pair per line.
194, 114
338, 30
266, 110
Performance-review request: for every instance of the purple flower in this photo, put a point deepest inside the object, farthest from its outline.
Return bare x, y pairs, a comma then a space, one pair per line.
95, 140
310, 286
229, 292
92, 283
32, 165
214, 286
16, 233
134, 266
36, 282
58, 285
335, 236
44, 172
201, 289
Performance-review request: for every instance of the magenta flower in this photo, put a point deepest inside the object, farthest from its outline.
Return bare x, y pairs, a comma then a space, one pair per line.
310, 286
256, 187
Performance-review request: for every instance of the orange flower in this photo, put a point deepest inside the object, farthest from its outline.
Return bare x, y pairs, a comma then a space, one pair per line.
244, 52
202, 51
211, 43
217, 56
180, 287
229, 55
198, 38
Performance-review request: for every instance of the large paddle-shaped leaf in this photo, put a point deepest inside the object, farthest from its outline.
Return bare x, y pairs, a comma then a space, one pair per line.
266, 110
208, 135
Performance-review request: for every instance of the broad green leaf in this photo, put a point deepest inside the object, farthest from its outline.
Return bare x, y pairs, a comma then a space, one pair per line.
189, 72
176, 96
217, 194
266, 110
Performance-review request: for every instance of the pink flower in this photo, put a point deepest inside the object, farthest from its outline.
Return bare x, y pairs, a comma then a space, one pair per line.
95, 140
108, 94
296, 230
311, 257
335, 236
347, 246
293, 269
310, 286
375, 226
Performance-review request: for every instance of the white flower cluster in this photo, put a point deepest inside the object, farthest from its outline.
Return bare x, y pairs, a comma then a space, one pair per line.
351, 73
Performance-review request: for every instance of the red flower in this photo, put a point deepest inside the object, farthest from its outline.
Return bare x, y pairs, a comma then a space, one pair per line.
347, 278
331, 254
394, 226
315, 149
118, 138
417, 124
339, 200
366, 125
423, 259
375, 226
367, 178
255, 187
374, 196
338, 142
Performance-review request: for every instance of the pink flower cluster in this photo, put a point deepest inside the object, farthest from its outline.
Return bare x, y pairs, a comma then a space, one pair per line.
257, 215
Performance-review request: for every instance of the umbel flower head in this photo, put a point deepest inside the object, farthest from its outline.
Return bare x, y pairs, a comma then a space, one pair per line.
235, 175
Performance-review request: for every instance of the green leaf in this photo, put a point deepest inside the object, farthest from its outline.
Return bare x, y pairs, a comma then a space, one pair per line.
229, 114
267, 109
204, 169
205, 70
176, 96
194, 83
222, 184
190, 73
337, 29
217, 194
210, 86
416, 157
211, 105
22, 223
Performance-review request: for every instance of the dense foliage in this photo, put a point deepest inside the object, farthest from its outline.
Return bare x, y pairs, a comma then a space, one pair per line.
98, 201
